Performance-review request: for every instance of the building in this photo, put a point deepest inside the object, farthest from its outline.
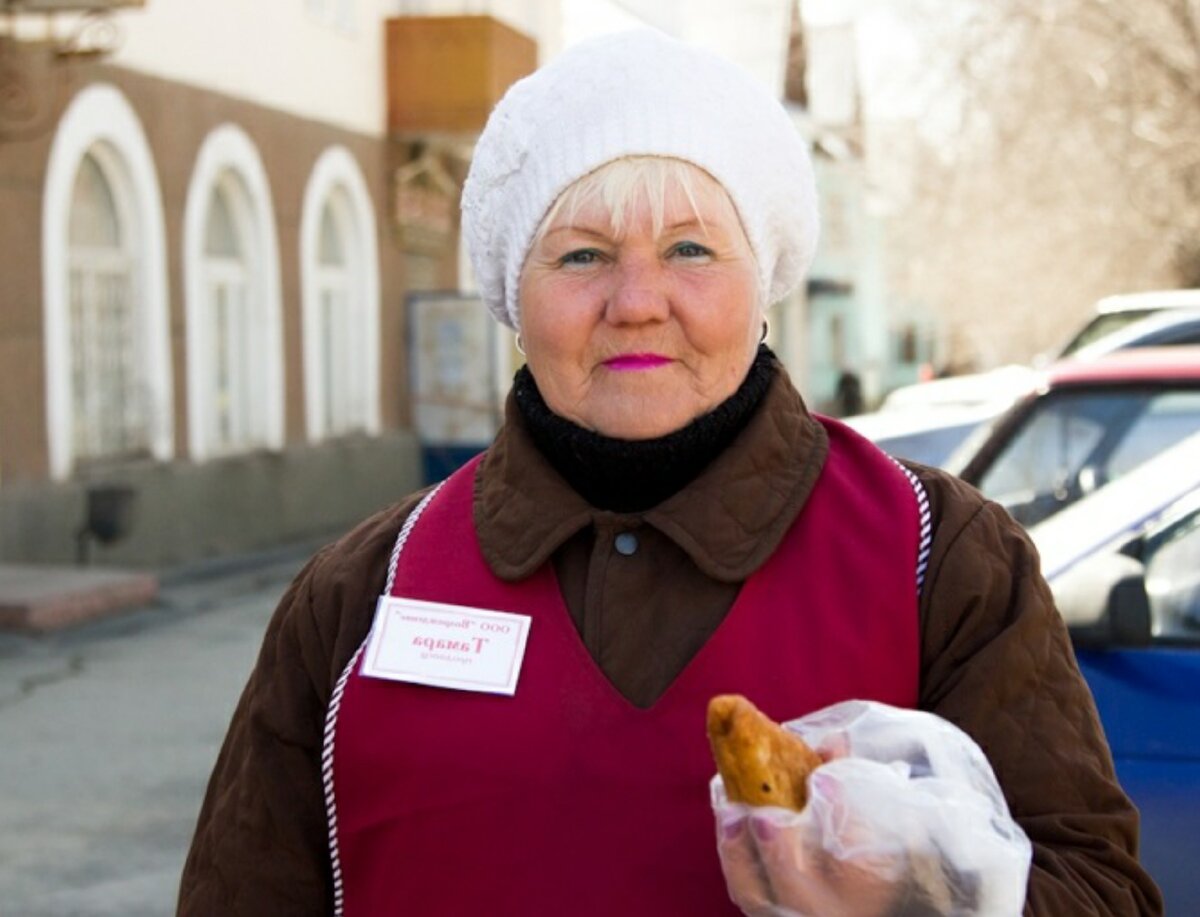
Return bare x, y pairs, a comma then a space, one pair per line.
202, 312
234, 308
857, 325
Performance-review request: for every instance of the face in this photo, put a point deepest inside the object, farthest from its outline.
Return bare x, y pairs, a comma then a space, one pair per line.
634, 334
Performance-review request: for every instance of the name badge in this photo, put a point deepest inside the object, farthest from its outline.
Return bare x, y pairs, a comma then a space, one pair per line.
446, 646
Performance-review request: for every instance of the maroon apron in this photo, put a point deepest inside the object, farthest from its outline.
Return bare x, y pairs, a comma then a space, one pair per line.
566, 798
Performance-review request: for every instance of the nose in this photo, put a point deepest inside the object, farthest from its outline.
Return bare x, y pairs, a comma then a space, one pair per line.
639, 293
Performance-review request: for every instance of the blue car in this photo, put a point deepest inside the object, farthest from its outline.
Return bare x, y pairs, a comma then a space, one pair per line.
1124, 565
1149, 700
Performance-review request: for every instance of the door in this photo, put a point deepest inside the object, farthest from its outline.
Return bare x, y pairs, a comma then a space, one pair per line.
1149, 701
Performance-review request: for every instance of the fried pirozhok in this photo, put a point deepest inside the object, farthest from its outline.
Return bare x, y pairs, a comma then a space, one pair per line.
760, 762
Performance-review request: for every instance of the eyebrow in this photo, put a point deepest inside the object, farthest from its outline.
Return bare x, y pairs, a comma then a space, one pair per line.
605, 234
585, 230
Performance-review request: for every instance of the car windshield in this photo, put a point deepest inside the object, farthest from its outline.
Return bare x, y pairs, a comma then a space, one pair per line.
1162, 329
1073, 442
1100, 326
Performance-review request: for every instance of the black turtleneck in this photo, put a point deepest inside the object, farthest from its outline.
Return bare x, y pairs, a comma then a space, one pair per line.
629, 476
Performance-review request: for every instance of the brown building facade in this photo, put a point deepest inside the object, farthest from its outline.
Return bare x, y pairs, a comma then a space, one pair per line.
202, 306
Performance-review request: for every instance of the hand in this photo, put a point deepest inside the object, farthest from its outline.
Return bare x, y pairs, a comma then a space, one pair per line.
824, 862
904, 817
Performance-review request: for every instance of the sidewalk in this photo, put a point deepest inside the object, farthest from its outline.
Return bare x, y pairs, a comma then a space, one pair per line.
108, 731
40, 598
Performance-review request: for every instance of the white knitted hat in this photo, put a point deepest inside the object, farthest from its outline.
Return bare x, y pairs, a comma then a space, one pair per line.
630, 94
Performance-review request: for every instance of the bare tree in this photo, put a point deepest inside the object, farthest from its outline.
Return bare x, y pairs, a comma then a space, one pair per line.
1073, 169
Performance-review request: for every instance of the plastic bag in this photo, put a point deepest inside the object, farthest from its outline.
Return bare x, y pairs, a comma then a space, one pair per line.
904, 818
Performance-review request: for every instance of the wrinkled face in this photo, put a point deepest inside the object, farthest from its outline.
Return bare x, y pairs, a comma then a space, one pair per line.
635, 333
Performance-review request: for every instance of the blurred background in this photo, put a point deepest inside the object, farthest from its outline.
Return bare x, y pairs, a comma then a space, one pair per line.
237, 317
234, 296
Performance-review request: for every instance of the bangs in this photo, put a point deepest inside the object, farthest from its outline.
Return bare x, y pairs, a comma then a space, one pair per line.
621, 185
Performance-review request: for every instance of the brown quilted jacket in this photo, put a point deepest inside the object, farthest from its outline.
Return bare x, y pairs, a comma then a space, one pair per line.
995, 658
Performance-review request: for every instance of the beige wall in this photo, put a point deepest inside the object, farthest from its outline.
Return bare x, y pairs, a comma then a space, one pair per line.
316, 59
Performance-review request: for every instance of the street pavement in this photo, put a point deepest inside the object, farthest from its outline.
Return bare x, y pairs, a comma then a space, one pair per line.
108, 732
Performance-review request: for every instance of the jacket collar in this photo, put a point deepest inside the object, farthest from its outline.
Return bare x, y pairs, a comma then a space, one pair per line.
729, 519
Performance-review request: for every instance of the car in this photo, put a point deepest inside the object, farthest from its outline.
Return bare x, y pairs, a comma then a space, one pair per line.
1117, 329
1113, 517
1153, 319
1112, 313
929, 437
1124, 566
996, 389
928, 421
1158, 319
1164, 328
1086, 424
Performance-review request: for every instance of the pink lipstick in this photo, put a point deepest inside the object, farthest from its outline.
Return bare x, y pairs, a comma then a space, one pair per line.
629, 361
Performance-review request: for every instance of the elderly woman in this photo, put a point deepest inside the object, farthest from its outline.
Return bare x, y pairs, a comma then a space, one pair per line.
659, 520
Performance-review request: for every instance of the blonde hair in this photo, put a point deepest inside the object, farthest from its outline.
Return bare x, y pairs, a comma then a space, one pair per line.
623, 183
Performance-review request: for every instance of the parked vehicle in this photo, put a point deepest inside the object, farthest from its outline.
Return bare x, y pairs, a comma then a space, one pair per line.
1116, 312
1156, 319
927, 422
996, 389
1124, 565
929, 437
1169, 318
1088, 423
1167, 327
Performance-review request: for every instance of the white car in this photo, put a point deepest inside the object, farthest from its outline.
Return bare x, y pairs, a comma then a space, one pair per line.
994, 390
1113, 313
1165, 327
1109, 517
1163, 317
929, 437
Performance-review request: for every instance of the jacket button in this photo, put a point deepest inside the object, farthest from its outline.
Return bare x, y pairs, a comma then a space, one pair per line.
626, 543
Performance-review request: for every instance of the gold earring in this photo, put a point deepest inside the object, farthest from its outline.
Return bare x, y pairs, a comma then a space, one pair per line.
766, 330
520, 346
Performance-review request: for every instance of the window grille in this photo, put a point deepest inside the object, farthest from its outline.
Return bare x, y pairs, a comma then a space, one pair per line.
230, 329
340, 323
109, 395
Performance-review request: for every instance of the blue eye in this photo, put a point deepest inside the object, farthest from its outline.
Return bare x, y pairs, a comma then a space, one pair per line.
692, 250
583, 256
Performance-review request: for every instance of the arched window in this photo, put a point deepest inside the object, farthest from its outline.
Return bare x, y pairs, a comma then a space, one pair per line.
235, 400
109, 415
227, 328
104, 280
340, 293
339, 311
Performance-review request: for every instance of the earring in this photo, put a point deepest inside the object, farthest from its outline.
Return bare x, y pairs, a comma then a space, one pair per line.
766, 330
520, 346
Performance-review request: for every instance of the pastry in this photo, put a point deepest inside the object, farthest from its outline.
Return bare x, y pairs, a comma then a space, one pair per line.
760, 762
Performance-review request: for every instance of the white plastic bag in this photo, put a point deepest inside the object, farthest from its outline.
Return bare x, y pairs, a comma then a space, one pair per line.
904, 818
